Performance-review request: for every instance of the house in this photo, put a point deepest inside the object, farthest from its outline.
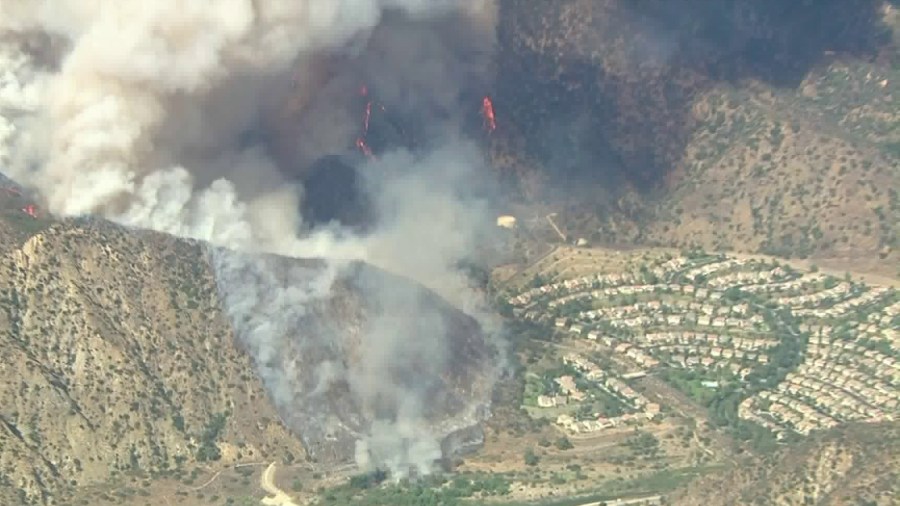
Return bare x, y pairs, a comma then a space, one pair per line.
736, 322
545, 401
567, 384
595, 375
648, 361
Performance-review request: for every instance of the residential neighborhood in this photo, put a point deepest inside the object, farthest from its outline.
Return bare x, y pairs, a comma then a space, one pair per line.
803, 350
636, 407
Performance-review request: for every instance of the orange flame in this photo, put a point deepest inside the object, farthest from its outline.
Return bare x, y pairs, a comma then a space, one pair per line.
368, 115
487, 111
366, 150
361, 143
30, 210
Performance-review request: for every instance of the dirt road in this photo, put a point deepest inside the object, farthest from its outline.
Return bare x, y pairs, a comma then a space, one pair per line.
278, 497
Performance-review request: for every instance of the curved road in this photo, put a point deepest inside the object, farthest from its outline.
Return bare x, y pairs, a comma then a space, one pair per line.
278, 496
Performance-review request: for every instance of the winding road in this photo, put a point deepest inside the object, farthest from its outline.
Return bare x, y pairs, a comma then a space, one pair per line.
277, 496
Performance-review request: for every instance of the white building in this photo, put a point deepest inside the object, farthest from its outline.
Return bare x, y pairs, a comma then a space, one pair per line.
506, 221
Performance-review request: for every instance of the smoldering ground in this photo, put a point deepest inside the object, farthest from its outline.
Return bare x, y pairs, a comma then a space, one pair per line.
200, 119
408, 365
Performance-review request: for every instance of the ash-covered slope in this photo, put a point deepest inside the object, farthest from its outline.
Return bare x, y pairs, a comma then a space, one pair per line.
362, 364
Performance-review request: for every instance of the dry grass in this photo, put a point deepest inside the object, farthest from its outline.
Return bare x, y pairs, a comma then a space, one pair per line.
123, 360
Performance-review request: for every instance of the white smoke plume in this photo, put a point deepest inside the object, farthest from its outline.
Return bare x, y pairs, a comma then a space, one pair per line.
133, 110
421, 234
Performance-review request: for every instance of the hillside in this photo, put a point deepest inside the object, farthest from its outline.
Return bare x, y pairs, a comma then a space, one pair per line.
119, 363
117, 358
376, 352
742, 128
643, 370
851, 465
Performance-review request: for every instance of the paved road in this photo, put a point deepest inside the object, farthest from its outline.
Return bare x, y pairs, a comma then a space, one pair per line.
656, 499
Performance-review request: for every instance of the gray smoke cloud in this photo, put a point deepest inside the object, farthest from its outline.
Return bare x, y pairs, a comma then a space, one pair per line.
135, 111
385, 358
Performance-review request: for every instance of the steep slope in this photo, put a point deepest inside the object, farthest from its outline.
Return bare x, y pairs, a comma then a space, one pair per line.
765, 175
617, 80
116, 357
849, 466
354, 353
753, 126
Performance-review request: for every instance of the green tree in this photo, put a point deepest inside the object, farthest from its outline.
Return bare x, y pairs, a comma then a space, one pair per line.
563, 443
531, 458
